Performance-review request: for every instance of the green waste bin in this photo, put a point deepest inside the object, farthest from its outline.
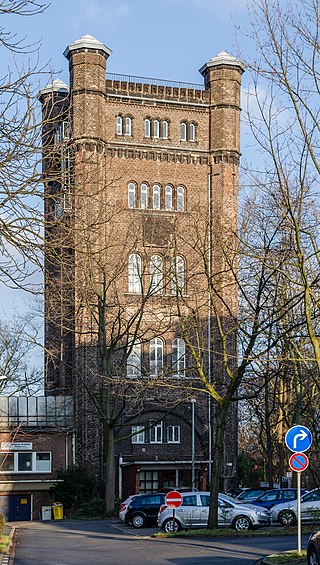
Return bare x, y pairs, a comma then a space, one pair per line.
57, 508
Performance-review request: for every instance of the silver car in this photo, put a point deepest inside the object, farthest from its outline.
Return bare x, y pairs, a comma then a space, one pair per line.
286, 513
194, 512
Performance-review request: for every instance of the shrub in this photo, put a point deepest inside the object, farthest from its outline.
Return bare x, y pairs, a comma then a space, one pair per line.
93, 508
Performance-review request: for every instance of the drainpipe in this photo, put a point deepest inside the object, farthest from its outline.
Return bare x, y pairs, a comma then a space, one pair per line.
209, 330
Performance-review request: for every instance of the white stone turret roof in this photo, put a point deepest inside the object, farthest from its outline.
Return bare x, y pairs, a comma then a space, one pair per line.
56, 85
223, 58
87, 42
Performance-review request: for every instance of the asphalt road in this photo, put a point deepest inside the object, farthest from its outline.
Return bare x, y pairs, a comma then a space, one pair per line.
113, 543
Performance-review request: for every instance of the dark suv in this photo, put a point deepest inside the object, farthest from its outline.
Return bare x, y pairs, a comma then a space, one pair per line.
143, 509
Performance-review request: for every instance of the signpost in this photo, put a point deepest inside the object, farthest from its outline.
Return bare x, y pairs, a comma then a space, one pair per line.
298, 439
173, 500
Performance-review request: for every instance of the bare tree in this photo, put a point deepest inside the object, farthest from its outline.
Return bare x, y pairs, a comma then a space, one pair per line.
20, 176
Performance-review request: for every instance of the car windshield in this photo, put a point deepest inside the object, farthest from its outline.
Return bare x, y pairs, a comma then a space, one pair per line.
231, 499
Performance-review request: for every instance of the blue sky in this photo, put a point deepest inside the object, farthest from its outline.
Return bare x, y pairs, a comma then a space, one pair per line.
168, 39
155, 38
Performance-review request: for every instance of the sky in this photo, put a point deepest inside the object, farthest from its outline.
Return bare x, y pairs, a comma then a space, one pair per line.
168, 39
165, 39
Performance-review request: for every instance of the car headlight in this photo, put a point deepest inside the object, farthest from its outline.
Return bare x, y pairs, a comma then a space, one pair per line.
262, 512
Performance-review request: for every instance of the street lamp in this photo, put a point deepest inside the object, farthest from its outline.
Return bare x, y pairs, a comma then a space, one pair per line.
193, 474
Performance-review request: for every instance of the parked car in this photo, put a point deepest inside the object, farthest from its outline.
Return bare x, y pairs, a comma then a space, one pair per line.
251, 493
124, 506
286, 513
143, 509
194, 512
313, 549
276, 496
235, 491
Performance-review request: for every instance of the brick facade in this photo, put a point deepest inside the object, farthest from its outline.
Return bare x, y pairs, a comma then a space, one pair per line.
111, 148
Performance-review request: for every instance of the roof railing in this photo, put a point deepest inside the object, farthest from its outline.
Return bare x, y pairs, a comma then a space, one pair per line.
154, 81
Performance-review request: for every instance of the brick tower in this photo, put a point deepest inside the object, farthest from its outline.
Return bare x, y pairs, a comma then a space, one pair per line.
152, 164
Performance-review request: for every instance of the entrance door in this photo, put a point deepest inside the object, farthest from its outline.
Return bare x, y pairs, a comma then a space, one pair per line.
21, 507
16, 507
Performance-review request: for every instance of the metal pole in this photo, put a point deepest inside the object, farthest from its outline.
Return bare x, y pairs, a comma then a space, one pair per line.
299, 511
193, 474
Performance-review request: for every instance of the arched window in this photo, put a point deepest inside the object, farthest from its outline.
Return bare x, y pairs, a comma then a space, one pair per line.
165, 129
131, 195
178, 274
147, 131
134, 272
134, 360
183, 131
128, 126
178, 357
156, 197
119, 125
144, 195
156, 356
192, 132
156, 128
168, 203
156, 274
180, 199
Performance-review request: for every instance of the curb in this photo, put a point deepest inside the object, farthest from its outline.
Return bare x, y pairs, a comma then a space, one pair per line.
8, 558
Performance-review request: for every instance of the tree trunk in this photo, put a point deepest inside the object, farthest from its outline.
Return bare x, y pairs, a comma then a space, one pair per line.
109, 467
217, 458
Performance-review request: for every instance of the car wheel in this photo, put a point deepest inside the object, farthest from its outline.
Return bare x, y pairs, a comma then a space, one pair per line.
138, 521
242, 523
313, 558
170, 526
287, 518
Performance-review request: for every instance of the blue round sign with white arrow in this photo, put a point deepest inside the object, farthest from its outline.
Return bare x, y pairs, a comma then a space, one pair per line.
298, 439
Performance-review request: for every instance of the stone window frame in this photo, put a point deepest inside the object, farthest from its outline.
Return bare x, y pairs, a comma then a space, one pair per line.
156, 350
178, 357
188, 131
156, 274
178, 275
161, 131
147, 196
134, 359
124, 125
135, 273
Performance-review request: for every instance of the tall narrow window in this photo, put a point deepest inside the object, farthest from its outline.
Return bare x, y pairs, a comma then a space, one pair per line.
192, 132
168, 197
180, 199
144, 195
173, 434
156, 433
134, 272
128, 126
134, 360
137, 434
156, 356
165, 129
178, 275
131, 195
156, 128
178, 357
147, 131
183, 131
156, 197
119, 125
156, 274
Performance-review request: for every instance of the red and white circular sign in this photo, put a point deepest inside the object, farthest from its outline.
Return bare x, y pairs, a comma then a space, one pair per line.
298, 462
173, 499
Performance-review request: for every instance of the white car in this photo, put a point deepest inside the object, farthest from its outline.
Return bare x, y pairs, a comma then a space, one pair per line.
124, 506
286, 513
194, 512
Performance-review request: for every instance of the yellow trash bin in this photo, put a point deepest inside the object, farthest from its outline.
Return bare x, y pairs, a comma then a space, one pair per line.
57, 508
